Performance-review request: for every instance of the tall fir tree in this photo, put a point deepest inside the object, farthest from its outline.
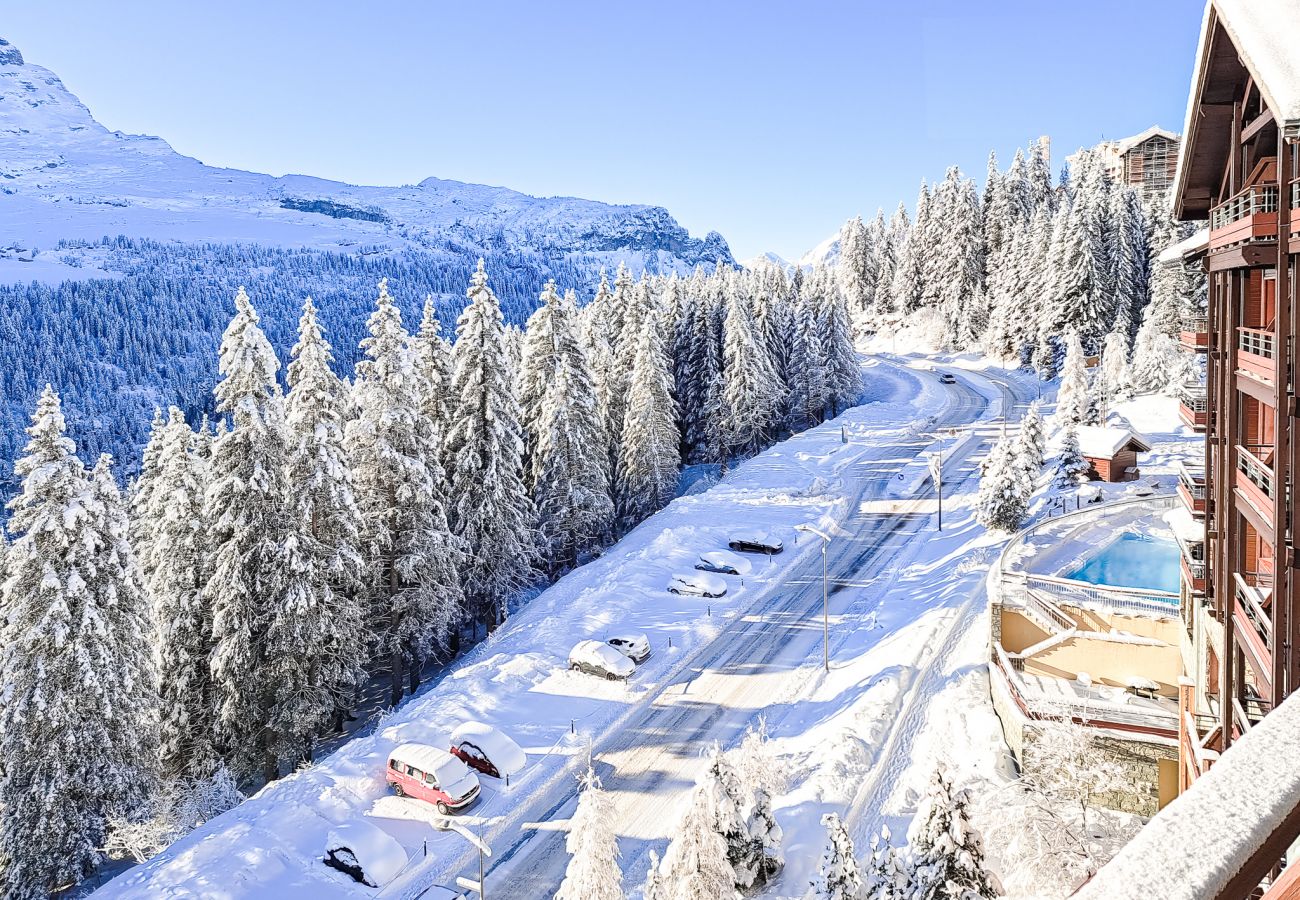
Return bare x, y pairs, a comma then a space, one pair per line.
1072, 398
248, 513
909, 287
840, 359
649, 462
176, 569
319, 636
491, 509
695, 865
754, 393
414, 587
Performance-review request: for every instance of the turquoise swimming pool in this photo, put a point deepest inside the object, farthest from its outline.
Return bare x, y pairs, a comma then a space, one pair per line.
1132, 560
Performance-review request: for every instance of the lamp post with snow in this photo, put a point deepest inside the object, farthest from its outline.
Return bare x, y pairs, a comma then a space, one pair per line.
826, 619
483, 851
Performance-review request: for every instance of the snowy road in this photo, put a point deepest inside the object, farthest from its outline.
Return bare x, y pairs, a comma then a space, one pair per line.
650, 762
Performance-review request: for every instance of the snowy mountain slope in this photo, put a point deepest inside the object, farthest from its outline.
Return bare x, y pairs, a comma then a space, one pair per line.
65, 176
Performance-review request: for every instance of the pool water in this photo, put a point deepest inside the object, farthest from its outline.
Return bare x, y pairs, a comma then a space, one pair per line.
1133, 560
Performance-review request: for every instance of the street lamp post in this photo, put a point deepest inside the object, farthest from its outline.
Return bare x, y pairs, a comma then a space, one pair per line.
826, 616
483, 851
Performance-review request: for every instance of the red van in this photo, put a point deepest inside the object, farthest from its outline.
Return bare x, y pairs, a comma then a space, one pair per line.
432, 775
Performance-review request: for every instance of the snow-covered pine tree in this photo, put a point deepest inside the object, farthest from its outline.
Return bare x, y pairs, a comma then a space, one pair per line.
596, 341
887, 267
766, 836
568, 478
1131, 260
857, 270
176, 569
57, 772
909, 286
1040, 177
992, 203
843, 370
1033, 439
433, 367
1078, 290
143, 490
730, 801
491, 509
1072, 398
124, 703
838, 876
947, 853
1112, 375
654, 887
1071, 465
593, 872
808, 391
886, 876
959, 262
1003, 499
695, 865
649, 460
319, 635
414, 584
754, 393
247, 508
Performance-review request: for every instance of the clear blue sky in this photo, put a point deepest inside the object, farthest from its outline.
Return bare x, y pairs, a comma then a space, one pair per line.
771, 123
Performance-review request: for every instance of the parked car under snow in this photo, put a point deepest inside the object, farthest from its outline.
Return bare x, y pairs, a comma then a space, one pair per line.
482, 747
724, 562
601, 660
698, 584
635, 647
364, 851
755, 541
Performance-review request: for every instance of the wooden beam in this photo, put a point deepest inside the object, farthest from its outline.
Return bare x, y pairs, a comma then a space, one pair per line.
1261, 121
1265, 858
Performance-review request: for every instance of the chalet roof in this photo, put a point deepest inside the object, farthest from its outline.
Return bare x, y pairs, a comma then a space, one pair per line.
1239, 39
1124, 145
1175, 253
1103, 442
1195, 846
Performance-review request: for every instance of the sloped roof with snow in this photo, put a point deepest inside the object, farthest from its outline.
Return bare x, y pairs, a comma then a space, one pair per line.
1103, 442
1174, 253
1186, 527
1194, 847
1263, 34
1124, 145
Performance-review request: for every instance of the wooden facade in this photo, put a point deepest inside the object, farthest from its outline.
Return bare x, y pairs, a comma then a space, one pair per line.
1238, 170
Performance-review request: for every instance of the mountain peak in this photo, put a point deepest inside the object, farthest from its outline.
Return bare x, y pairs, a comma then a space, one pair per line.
9, 55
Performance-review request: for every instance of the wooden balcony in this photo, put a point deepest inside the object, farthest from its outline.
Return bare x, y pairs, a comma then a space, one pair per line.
1246, 217
1194, 334
1194, 569
1193, 408
1295, 217
1254, 626
1256, 352
1255, 485
1191, 489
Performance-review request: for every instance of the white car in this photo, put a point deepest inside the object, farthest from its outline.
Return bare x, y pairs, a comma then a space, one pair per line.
484, 748
635, 647
724, 562
755, 541
946, 378
599, 659
697, 584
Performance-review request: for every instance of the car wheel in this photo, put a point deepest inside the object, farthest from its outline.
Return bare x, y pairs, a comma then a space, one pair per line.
574, 667
397, 789
442, 809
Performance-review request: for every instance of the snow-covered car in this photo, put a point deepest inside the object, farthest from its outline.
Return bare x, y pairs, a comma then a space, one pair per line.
482, 747
432, 775
601, 660
755, 541
946, 378
724, 562
697, 584
635, 647
364, 851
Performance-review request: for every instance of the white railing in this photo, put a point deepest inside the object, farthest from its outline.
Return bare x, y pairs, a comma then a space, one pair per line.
1120, 599
1254, 468
1252, 201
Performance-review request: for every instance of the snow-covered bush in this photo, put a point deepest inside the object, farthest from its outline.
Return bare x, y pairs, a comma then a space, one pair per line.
1071, 466
174, 811
593, 872
695, 865
838, 876
1003, 499
947, 852
887, 875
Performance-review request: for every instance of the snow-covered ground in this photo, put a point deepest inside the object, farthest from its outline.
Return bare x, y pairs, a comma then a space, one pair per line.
517, 680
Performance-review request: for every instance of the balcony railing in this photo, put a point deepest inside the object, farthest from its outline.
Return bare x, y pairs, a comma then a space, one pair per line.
1195, 323
1252, 201
1256, 471
1295, 194
1256, 341
1192, 481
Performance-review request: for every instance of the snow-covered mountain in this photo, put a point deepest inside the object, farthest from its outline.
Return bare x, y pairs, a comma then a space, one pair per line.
63, 175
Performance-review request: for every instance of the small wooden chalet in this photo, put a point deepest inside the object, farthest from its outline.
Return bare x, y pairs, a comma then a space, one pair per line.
1112, 451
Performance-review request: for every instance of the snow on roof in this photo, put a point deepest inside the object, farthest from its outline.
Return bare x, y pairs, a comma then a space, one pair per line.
1266, 33
1124, 145
1186, 527
1195, 845
503, 752
425, 758
380, 856
1103, 442
1174, 253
